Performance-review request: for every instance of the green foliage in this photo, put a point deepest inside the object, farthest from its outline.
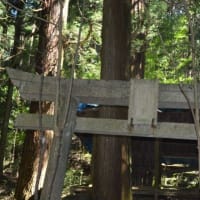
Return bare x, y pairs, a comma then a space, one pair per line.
78, 172
182, 180
74, 177
168, 55
3, 92
88, 65
7, 59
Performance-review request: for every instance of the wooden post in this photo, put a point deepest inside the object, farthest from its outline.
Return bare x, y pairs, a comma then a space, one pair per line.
57, 164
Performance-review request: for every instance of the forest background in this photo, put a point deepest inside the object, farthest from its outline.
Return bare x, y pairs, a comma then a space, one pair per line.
164, 35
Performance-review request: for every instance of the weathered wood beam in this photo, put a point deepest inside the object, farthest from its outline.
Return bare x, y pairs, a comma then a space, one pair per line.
170, 96
29, 85
89, 91
94, 91
27, 121
113, 127
120, 128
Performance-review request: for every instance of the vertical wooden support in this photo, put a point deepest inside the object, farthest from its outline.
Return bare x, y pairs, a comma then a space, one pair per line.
57, 165
143, 102
156, 167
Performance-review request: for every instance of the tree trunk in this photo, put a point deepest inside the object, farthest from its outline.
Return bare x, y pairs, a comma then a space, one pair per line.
111, 174
30, 159
46, 64
4, 129
14, 62
138, 36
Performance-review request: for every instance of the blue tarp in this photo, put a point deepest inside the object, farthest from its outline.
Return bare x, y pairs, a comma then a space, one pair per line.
86, 139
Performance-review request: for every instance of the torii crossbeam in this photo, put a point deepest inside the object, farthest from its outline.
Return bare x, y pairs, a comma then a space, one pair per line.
115, 93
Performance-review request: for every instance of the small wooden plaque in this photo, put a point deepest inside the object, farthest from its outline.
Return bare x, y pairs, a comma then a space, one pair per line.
143, 102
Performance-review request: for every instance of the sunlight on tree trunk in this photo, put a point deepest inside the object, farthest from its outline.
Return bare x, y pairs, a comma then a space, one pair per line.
46, 64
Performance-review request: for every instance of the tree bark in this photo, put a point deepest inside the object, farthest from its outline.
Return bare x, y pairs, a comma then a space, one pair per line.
111, 174
14, 62
139, 34
46, 64
4, 129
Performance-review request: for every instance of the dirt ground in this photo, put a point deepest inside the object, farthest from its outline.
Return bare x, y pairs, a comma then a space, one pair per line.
7, 186
8, 183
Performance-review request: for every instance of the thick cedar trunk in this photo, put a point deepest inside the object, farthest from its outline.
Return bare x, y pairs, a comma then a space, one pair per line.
111, 175
46, 63
30, 158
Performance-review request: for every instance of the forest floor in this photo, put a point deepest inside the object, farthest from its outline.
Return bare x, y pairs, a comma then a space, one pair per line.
7, 186
79, 162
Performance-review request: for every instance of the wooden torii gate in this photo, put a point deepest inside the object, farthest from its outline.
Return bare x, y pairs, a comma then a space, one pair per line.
142, 97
